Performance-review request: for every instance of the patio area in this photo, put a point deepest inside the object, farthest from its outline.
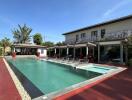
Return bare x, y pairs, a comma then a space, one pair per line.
8, 90
118, 87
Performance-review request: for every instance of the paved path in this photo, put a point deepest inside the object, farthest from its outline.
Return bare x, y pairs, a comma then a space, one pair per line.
8, 89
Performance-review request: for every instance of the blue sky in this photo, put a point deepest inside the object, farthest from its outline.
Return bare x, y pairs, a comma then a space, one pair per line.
51, 18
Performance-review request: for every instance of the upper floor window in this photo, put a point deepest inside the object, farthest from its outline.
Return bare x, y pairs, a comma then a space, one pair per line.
83, 35
77, 37
94, 34
102, 33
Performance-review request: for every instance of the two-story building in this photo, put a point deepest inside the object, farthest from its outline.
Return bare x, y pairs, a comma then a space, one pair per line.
108, 37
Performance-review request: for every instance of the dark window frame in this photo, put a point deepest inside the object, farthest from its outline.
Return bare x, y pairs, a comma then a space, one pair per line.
77, 37
83, 35
94, 34
103, 32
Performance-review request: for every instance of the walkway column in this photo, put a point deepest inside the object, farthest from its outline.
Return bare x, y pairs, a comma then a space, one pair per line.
121, 53
98, 53
67, 52
55, 52
14, 49
87, 51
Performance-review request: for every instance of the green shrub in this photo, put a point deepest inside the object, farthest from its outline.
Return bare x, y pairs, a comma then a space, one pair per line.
1, 51
130, 62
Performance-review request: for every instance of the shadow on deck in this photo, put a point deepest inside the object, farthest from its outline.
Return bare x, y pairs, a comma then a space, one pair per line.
118, 87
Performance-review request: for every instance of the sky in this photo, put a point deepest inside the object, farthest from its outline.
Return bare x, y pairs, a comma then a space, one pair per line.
52, 18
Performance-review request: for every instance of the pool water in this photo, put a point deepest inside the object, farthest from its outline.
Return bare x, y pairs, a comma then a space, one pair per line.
49, 77
99, 69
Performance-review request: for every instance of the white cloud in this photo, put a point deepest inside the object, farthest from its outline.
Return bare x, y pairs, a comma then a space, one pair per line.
116, 7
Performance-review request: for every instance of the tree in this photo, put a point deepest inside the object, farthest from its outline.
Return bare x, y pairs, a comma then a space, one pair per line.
5, 43
60, 43
37, 39
22, 34
48, 44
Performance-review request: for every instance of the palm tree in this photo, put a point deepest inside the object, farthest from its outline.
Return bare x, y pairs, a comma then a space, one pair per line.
5, 43
22, 34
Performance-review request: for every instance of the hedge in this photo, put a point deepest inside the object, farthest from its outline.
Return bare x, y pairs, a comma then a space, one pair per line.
1, 51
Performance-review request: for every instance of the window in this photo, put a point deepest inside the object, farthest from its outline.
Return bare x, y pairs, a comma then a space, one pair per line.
102, 33
94, 34
83, 35
77, 38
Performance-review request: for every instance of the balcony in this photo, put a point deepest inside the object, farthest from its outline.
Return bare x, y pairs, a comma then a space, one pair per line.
107, 37
117, 35
73, 40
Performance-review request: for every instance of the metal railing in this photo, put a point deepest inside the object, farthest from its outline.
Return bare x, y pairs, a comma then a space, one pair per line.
108, 36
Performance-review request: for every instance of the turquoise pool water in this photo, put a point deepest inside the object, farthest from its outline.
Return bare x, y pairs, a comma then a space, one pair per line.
98, 68
50, 77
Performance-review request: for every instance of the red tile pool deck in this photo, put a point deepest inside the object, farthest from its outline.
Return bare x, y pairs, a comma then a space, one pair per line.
117, 87
8, 90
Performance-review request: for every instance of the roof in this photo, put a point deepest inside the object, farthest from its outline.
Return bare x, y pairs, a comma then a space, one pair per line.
29, 45
74, 45
100, 24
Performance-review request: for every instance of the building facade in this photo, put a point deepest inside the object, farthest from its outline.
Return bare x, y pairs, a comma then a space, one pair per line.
29, 49
106, 35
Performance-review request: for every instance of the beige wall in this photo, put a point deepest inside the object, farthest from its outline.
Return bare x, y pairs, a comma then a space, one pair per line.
7, 49
44, 54
110, 28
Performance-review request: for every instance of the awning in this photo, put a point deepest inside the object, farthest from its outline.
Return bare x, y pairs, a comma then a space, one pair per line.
75, 45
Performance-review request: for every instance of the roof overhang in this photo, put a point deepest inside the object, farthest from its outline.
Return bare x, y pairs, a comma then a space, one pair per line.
110, 43
100, 24
75, 45
28, 46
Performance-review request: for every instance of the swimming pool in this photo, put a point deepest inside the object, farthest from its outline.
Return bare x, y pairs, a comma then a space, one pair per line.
48, 77
45, 79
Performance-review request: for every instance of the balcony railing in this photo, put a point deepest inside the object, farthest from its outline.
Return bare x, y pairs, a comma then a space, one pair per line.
108, 36
118, 35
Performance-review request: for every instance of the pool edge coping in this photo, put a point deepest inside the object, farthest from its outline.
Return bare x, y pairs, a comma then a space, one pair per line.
74, 87
23, 93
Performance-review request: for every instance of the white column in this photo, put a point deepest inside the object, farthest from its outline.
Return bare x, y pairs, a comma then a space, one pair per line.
121, 53
67, 52
55, 50
87, 51
14, 49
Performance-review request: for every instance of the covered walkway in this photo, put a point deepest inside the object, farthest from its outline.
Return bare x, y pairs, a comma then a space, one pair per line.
8, 90
76, 51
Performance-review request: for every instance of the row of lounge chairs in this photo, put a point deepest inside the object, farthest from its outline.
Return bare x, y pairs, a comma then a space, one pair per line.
70, 60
